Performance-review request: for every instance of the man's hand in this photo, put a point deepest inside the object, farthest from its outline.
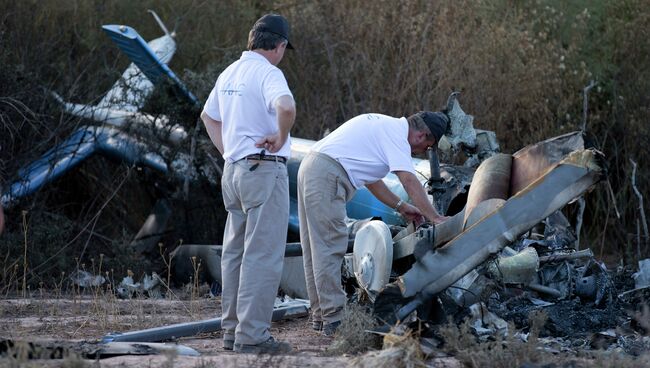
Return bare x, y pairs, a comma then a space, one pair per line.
440, 219
272, 143
411, 213
285, 108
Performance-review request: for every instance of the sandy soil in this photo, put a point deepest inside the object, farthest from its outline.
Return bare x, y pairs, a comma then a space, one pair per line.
87, 319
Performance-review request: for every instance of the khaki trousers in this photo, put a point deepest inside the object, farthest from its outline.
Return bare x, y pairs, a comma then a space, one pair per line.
254, 241
323, 191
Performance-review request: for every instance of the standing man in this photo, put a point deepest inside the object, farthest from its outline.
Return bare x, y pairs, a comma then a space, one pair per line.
248, 116
360, 152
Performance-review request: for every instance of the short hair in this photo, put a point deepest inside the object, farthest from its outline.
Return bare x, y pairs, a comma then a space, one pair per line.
416, 123
264, 40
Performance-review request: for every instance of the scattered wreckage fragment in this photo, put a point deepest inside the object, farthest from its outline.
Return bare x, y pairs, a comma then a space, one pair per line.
88, 350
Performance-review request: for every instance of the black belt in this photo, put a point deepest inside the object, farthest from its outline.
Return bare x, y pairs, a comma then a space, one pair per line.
261, 157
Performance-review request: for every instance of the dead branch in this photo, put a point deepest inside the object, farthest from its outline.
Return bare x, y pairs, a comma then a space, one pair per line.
581, 201
644, 223
585, 104
581, 211
186, 183
611, 194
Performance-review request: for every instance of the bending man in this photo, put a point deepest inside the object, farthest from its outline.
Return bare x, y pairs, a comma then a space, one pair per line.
360, 152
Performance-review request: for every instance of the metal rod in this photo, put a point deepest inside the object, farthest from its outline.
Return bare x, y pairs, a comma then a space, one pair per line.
545, 289
193, 328
434, 165
403, 312
585, 253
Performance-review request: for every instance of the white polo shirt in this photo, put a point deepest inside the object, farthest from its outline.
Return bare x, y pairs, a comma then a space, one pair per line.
369, 146
243, 99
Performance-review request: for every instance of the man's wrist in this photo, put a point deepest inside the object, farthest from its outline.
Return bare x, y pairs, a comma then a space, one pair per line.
398, 204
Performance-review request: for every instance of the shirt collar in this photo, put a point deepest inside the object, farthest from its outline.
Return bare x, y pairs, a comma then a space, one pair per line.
251, 55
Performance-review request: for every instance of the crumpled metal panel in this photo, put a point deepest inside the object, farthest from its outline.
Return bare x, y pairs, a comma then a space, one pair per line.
460, 134
532, 161
552, 190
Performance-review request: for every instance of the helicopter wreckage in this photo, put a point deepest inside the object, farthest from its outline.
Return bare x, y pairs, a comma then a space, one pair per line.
507, 236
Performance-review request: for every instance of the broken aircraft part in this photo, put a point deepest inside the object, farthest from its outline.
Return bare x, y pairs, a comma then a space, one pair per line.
147, 238
555, 188
518, 268
87, 350
152, 63
373, 256
79, 146
642, 276
478, 145
186, 259
119, 107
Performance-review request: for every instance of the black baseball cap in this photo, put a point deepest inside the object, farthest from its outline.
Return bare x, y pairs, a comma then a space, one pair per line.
437, 122
274, 23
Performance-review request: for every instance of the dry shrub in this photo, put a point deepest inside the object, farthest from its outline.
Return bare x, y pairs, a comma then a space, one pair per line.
399, 351
352, 336
398, 58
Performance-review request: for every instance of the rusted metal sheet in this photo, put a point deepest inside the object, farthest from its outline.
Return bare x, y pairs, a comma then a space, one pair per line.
532, 161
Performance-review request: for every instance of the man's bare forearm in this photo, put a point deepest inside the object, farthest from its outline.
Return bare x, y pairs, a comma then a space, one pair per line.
381, 192
285, 108
418, 196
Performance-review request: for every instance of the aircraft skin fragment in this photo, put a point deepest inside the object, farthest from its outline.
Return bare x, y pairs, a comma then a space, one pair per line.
533, 160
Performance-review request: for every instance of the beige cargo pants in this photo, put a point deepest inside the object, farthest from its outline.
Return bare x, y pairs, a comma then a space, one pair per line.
323, 191
254, 242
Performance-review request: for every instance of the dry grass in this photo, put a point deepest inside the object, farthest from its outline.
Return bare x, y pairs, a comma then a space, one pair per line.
352, 336
399, 351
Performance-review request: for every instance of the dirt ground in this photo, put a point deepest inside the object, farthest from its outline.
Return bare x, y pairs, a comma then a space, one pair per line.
86, 319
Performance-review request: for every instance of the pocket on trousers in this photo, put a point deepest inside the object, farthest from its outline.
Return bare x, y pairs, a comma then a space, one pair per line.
228, 193
338, 203
257, 186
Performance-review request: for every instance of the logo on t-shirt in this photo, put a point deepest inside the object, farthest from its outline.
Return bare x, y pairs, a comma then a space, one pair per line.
231, 89
372, 117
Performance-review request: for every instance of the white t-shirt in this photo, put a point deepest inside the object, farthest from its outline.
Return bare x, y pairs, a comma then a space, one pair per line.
243, 99
369, 146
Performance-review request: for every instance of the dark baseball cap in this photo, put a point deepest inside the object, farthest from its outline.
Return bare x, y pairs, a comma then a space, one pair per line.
276, 24
437, 122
